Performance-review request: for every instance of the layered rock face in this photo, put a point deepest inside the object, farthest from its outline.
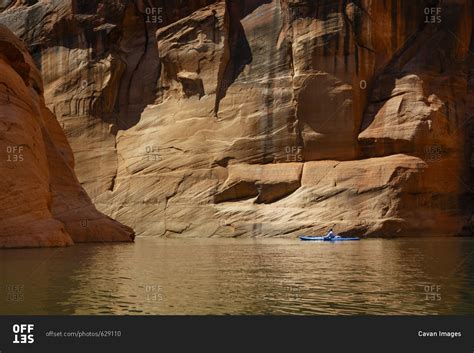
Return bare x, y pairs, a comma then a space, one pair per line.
43, 203
263, 117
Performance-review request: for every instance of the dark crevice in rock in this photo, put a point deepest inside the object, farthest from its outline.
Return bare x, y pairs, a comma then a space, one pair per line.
237, 51
224, 162
16, 60
265, 192
355, 27
242, 190
114, 177
84, 6
270, 193
191, 83
130, 111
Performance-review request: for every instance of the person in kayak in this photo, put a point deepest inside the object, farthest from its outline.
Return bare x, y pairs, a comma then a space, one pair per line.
330, 235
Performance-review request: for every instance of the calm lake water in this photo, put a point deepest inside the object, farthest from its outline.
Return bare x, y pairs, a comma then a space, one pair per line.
235, 276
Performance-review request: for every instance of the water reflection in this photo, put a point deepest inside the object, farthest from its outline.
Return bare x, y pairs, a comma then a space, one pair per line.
228, 276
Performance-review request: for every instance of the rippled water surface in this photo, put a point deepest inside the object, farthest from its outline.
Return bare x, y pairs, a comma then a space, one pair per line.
229, 276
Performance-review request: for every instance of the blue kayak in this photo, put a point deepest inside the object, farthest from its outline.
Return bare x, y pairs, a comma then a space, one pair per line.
308, 238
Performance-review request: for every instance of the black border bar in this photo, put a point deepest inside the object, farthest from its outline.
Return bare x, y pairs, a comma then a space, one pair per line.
246, 333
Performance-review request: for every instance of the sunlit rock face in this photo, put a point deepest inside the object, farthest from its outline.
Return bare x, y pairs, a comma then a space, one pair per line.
263, 118
43, 203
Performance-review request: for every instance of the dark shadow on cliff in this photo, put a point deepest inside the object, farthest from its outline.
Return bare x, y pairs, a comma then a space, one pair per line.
416, 58
442, 56
237, 51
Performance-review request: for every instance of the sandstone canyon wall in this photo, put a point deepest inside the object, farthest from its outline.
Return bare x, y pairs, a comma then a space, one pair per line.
42, 202
263, 117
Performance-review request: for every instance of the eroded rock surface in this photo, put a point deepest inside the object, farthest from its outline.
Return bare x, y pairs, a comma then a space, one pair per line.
263, 117
43, 203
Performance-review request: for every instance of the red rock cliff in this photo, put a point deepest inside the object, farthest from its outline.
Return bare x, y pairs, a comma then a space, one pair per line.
42, 204
260, 117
